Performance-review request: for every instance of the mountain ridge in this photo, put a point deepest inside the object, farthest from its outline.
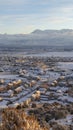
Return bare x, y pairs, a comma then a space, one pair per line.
63, 37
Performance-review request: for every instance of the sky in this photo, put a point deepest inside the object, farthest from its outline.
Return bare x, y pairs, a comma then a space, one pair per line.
24, 16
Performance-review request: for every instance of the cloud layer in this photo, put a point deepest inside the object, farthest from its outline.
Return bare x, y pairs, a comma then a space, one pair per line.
23, 16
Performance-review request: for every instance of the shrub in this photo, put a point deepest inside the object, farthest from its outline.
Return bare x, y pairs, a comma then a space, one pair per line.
13, 119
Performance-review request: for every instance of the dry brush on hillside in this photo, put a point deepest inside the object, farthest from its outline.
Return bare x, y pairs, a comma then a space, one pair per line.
13, 119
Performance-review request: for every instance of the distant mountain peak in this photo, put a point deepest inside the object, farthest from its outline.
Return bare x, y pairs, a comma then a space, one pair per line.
37, 31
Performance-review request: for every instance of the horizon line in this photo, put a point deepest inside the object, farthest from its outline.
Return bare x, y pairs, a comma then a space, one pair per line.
35, 31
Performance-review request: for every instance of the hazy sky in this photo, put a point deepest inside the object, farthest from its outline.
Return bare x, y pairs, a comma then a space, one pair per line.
24, 16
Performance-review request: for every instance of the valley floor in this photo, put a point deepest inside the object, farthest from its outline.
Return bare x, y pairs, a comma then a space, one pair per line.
41, 86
